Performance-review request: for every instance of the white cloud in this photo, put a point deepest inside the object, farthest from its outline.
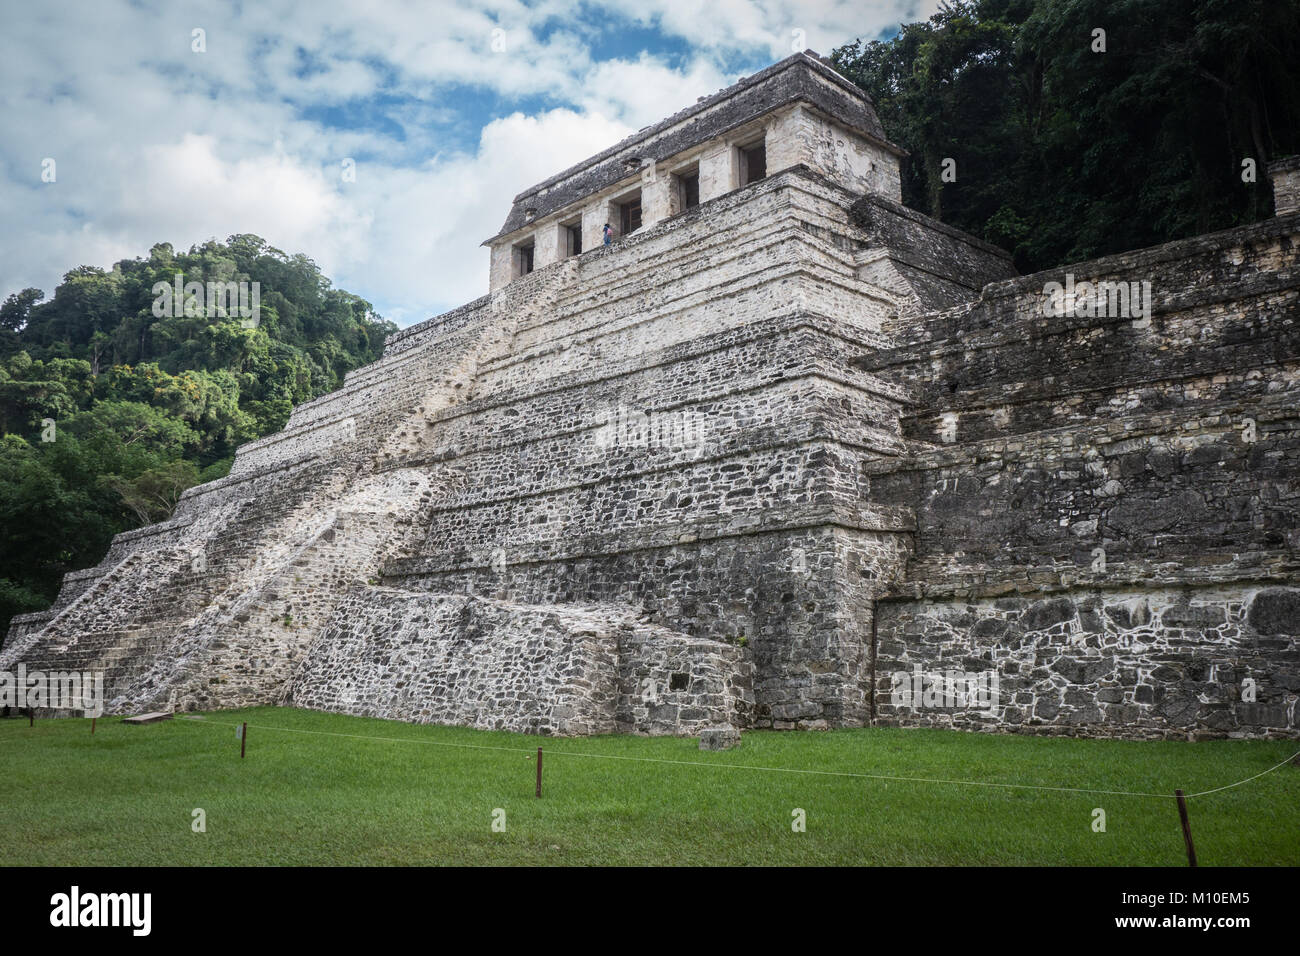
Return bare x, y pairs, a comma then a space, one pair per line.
645, 91
426, 224
155, 142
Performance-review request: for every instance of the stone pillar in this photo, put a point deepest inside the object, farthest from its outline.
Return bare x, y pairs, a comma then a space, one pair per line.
593, 219
551, 245
1285, 174
502, 268
717, 171
788, 140
656, 195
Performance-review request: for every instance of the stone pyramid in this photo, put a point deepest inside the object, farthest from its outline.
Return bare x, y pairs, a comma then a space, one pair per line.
784, 453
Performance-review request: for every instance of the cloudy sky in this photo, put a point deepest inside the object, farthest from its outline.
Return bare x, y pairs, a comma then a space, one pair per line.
445, 111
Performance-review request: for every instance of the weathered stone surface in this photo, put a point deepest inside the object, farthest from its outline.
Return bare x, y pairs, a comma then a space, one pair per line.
1276, 611
1285, 177
1142, 675
561, 669
719, 738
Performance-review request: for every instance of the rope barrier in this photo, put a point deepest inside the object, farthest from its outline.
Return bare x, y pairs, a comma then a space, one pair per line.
735, 766
750, 767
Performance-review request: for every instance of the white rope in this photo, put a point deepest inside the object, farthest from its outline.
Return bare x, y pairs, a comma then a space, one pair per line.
738, 766
1247, 780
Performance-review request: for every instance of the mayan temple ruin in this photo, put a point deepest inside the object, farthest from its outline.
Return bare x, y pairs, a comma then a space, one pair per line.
780, 442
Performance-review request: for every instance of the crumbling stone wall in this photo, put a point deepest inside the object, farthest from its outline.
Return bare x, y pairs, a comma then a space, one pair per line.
558, 669
671, 684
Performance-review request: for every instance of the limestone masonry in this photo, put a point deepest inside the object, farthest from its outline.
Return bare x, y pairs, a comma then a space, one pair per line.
785, 454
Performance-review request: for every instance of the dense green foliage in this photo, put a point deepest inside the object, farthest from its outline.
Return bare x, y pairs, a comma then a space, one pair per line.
419, 795
1063, 153
109, 411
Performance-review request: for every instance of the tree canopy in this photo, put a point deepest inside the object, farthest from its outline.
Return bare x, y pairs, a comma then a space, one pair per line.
112, 405
1069, 144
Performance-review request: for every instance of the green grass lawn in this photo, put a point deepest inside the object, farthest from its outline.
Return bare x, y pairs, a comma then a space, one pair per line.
126, 796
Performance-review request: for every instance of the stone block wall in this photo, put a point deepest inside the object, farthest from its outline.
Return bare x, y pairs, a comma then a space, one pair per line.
1106, 505
21, 625
557, 669
1147, 662
671, 684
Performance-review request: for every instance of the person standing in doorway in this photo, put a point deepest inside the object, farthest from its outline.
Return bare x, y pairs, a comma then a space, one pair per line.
608, 233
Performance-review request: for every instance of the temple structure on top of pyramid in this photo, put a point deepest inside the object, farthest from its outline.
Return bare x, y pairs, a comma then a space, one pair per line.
783, 453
